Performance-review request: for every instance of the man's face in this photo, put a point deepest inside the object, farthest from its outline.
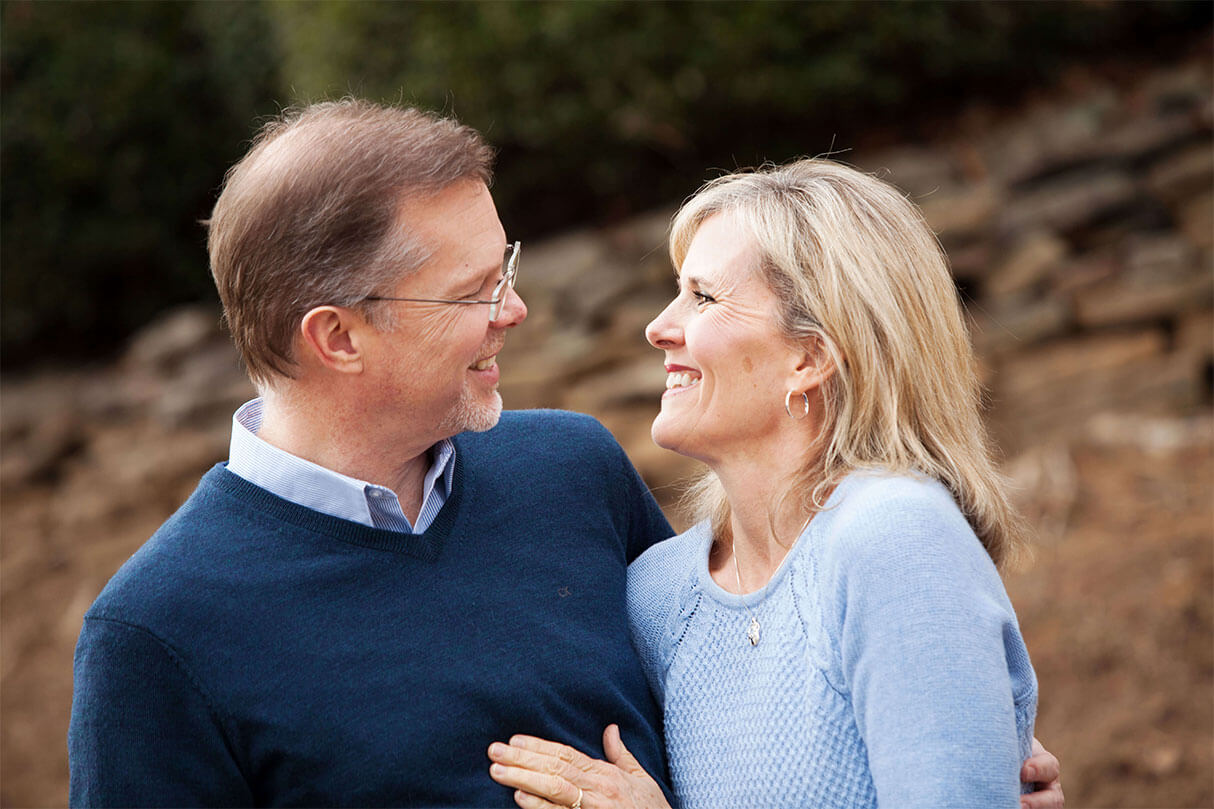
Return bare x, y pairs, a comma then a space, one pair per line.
436, 368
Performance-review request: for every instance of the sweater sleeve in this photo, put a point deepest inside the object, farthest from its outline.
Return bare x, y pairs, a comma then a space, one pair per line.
930, 653
142, 732
647, 525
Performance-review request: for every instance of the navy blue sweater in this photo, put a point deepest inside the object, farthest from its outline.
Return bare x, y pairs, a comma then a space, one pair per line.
255, 652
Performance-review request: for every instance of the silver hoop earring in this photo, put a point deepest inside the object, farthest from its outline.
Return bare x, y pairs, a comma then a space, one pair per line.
788, 405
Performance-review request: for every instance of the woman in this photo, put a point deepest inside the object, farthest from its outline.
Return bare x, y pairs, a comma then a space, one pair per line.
834, 631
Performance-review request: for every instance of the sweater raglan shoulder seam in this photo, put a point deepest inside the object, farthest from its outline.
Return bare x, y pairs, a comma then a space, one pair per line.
808, 566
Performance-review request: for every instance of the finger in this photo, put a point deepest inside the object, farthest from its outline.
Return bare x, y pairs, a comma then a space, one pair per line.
561, 752
617, 753
542, 785
539, 762
1051, 798
1042, 767
528, 801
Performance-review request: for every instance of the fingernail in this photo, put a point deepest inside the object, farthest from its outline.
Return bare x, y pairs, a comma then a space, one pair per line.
496, 769
497, 749
1032, 771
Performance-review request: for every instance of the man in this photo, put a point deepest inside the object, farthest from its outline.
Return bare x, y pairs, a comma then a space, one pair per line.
384, 578
373, 589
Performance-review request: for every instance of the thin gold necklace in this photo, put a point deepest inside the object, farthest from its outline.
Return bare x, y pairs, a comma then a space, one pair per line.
754, 631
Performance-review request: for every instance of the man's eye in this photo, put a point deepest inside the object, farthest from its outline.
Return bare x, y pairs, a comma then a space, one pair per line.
701, 298
482, 292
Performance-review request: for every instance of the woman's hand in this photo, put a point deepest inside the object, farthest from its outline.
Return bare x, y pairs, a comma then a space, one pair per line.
547, 775
1042, 768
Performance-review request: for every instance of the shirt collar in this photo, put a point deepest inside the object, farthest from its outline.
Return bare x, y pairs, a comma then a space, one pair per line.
325, 490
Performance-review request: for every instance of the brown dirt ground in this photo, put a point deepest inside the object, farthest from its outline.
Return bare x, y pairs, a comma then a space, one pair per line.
1117, 616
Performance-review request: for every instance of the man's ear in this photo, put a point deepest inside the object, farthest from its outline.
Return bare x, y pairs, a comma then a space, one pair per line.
815, 365
332, 337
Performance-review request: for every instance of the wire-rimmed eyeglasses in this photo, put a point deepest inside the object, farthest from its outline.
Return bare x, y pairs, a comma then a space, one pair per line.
509, 270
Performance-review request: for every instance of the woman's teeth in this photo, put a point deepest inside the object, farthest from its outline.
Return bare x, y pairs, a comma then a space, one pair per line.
486, 364
677, 380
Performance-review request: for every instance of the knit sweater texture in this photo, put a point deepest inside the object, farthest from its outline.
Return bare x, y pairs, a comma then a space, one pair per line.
891, 671
258, 653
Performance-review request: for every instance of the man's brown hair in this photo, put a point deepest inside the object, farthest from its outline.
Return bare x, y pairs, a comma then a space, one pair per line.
306, 217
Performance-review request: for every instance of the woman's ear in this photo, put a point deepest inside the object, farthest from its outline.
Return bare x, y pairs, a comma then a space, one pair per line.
815, 365
332, 337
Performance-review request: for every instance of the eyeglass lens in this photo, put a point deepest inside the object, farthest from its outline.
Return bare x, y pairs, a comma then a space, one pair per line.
509, 268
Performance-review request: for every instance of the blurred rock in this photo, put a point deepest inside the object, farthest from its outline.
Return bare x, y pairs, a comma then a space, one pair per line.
1182, 174
38, 456
175, 336
1195, 334
211, 383
960, 214
1030, 260
1152, 433
1164, 761
1005, 326
1086, 271
1053, 136
1068, 202
1052, 390
1182, 87
918, 171
1196, 219
972, 261
1161, 279
639, 382
1144, 137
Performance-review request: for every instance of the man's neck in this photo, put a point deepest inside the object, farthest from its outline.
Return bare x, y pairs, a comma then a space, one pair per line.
335, 440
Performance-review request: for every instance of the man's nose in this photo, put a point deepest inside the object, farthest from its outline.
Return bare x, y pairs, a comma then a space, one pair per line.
514, 311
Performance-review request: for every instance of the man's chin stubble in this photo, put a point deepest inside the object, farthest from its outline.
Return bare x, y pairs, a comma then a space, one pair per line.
472, 416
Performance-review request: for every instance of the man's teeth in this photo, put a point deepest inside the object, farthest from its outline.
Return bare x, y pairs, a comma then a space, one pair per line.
677, 380
486, 363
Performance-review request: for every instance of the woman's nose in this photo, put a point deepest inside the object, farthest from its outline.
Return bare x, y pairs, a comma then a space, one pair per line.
665, 331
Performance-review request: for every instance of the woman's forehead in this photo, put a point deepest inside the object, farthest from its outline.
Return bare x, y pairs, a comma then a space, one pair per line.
720, 251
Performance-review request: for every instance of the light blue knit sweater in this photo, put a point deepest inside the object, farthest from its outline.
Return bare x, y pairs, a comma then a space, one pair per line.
891, 670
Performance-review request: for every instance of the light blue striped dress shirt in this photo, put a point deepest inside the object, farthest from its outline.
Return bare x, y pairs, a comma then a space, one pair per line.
313, 486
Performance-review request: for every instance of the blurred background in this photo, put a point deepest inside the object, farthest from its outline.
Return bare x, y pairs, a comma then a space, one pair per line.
1062, 151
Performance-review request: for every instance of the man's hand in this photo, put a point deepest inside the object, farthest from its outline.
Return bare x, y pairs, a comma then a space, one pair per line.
1042, 769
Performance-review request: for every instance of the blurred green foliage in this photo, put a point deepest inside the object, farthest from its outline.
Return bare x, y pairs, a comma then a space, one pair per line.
119, 119
118, 122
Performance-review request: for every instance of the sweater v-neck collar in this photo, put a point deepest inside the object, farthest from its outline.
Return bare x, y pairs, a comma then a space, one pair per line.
425, 546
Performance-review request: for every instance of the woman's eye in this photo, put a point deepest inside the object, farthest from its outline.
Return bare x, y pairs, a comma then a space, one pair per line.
702, 298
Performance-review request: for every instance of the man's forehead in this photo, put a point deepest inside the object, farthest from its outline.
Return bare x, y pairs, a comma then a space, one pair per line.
454, 216
457, 234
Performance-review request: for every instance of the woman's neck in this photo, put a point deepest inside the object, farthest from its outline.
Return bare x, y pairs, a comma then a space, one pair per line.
763, 522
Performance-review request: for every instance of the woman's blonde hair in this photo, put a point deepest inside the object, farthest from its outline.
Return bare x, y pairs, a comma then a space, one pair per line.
856, 268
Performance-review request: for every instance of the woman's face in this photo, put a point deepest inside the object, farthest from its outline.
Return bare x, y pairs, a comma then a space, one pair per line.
728, 367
